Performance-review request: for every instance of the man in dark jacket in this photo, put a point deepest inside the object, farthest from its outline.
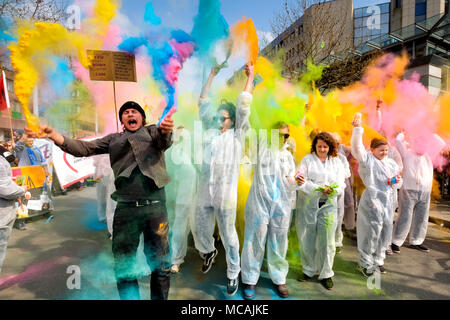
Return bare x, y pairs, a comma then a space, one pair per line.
137, 160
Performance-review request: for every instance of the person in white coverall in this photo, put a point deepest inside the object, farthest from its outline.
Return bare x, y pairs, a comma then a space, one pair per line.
218, 181
268, 214
105, 187
380, 175
394, 155
414, 199
317, 208
184, 191
341, 196
9, 192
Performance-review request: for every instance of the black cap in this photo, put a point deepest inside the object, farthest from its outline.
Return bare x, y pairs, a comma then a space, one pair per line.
131, 105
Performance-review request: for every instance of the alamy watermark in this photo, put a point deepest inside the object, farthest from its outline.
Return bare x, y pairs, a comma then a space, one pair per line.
74, 280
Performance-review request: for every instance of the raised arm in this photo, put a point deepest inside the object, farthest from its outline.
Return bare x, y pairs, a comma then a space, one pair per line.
207, 87
244, 101
250, 71
400, 143
358, 150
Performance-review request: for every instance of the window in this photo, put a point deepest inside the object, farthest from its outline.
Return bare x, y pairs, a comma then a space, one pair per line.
10, 85
384, 8
385, 18
359, 12
421, 10
358, 23
398, 3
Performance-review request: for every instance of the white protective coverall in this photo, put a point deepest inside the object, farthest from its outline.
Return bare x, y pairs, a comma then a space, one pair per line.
414, 200
217, 191
9, 192
374, 219
105, 187
394, 155
183, 187
268, 214
316, 227
341, 198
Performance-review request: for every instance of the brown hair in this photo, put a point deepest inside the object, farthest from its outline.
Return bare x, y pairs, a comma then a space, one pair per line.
376, 142
329, 140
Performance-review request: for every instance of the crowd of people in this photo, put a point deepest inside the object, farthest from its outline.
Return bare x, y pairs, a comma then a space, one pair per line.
319, 192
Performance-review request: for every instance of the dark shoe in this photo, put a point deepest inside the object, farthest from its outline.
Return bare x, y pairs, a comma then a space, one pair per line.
249, 291
209, 260
232, 286
338, 250
395, 248
351, 234
22, 225
382, 269
420, 247
282, 290
303, 277
367, 273
327, 283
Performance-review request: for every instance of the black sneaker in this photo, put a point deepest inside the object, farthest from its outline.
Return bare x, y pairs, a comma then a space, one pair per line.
22, 225
395, 248
209, 260
327, 283
367, 273
382, 269
303, 277
232, 286
420, 247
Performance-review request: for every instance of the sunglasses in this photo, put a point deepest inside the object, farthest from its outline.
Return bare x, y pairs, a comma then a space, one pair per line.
222, 119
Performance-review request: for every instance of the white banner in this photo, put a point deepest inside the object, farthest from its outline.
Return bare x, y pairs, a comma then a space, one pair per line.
70, 169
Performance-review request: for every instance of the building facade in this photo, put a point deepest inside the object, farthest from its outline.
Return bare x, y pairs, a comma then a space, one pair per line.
15, 117
419, 27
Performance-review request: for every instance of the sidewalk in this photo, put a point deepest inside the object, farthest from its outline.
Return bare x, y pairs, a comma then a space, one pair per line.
440, 213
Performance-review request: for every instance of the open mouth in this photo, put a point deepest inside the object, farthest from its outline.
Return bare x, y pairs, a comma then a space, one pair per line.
132, 123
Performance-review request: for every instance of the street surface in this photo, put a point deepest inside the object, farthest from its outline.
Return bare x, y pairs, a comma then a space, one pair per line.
40, 264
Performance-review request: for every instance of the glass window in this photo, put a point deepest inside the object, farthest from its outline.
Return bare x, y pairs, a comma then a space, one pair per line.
384, 8
358, 32
421, 7
384, 28
385, 18
375, 32
434, 82
398, 3
358, 23
358, 13
420, 18
366, 32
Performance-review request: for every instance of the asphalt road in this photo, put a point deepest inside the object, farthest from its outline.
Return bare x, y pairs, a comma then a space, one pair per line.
41, 263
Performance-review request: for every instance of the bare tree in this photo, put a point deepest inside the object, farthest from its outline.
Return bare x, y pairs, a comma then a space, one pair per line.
38, 10
291, 12
312, 30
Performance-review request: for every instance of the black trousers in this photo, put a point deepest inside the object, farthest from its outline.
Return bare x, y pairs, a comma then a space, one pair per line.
129, 223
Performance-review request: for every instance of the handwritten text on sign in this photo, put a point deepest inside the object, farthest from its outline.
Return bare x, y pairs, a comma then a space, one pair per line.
112, 66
